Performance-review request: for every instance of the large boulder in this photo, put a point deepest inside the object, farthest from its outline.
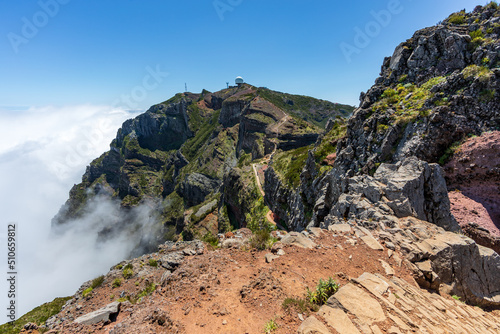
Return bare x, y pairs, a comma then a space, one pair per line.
417, 188
107, 313
456, 264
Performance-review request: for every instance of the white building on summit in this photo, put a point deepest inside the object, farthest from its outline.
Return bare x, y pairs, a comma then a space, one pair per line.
239, 81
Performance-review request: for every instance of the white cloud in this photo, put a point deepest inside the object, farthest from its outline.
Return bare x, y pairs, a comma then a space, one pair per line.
43, 152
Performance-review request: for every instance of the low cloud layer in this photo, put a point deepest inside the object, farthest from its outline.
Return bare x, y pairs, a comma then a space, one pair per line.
43, 152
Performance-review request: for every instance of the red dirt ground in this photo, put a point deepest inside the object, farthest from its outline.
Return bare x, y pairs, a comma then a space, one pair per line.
235, 291
474, 175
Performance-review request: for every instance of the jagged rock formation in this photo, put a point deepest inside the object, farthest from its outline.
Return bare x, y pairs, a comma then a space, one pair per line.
438, 87
196, 187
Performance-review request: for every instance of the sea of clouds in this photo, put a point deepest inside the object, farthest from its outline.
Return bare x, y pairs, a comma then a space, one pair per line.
43, 153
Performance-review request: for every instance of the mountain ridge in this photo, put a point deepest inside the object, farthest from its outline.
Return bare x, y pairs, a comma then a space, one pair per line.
179, 151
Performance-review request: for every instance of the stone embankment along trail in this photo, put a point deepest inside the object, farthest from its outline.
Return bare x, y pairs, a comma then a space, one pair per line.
374, 304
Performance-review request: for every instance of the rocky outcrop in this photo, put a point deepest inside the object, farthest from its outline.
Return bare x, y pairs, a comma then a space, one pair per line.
415, 188
457, 265
409, 188
163, 127
290, 141
372, 299
196, 187
437, 87
105, 314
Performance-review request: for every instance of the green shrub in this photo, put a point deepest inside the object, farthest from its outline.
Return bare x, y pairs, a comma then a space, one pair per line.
457, 18
211, 239
87, 292
482, 73
381, 128
390, 95
97, 282
487, 95
127, 273
153, 263
301, 305
116, 283
148, 290
262, 239
324, 290
492, 4
270, 326
476, 34
433, 82
455, 297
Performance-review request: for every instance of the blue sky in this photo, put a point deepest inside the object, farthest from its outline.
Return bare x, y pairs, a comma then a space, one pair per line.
97, 52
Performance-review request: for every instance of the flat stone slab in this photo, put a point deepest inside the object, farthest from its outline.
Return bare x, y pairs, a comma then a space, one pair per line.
298, 239
101, 314
340, 228
359, 303
316, 231
372, 242
374, 284
338, 320
387, 268
313, 326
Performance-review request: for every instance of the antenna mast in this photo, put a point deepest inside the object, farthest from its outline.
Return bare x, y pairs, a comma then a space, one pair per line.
186, 87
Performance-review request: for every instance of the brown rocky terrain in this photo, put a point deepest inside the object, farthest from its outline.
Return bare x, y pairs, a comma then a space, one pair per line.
201, 289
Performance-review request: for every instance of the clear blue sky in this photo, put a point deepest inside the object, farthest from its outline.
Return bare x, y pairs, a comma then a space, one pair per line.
93, 52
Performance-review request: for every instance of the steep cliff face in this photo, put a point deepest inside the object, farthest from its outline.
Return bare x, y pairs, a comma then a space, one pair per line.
179, 152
